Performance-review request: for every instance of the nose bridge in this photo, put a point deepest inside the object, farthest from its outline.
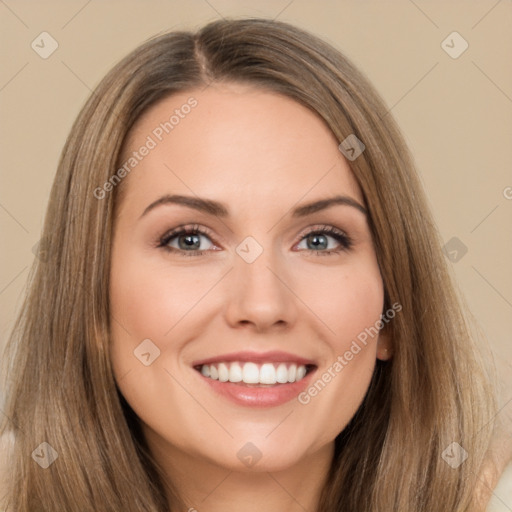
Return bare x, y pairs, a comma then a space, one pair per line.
258, 291
257, 265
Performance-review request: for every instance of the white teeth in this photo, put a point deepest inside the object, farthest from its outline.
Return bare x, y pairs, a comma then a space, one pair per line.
267, 374
252, 373
292, 373
282, 374
235, 373
223, 372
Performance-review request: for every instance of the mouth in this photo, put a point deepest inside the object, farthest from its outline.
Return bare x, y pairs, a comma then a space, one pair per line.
257, 380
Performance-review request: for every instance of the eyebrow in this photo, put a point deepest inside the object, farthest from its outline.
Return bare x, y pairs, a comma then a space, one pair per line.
220, 210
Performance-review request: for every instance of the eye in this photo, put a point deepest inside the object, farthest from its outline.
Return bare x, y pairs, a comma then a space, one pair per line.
196, 241
185, 240
317, 241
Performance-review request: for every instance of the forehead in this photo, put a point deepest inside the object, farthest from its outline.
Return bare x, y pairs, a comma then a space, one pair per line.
235, 143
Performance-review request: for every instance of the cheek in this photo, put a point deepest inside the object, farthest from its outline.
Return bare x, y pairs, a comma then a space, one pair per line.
346, 301
152, 299
149, 299
350, 306
359, 305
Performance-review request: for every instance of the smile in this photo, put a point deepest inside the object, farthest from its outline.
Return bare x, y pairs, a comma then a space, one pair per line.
254, 373
255, 379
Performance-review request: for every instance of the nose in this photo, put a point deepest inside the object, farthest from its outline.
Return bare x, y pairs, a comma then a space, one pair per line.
260, 294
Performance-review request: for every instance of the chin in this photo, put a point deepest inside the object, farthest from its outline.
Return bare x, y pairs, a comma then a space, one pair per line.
259, 457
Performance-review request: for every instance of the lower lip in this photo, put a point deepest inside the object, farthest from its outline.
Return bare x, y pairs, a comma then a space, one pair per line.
259, 396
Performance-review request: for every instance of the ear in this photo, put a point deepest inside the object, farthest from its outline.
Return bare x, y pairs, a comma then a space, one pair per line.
384, 345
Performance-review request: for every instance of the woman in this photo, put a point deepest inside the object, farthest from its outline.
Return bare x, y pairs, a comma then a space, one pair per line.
310, 356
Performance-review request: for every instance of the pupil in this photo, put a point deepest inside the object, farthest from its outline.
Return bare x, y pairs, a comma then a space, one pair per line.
190, 241
316, 243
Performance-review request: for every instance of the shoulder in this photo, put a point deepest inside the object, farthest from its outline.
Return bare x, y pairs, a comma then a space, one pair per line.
496, 472
501, 499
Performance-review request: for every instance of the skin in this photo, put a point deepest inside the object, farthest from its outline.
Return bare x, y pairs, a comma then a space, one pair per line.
261, 154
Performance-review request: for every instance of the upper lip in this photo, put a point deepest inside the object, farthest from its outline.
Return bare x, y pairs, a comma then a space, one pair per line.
274, 356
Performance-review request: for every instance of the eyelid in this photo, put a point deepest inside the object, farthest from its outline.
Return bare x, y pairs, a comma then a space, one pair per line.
195, 228
321, 228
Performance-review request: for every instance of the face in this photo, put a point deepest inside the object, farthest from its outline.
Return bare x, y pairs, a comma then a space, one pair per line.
238, 313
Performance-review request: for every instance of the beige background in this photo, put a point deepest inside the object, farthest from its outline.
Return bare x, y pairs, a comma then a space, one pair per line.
456, 115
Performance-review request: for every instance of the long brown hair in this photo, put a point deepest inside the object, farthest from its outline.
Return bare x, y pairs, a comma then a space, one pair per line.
61, 389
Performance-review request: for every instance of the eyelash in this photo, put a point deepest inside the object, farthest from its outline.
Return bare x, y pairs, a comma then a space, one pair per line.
344, 240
